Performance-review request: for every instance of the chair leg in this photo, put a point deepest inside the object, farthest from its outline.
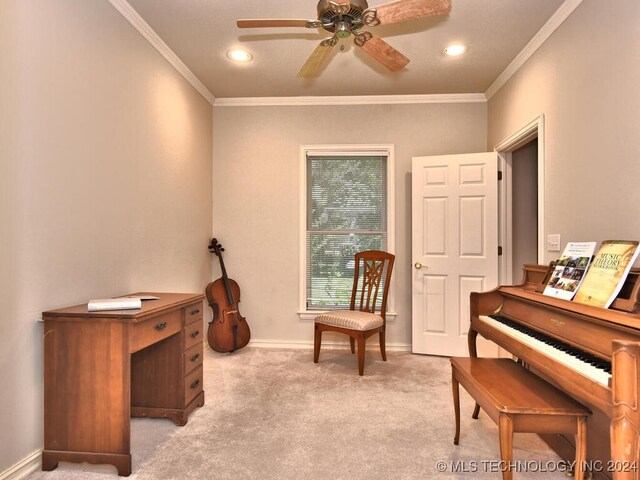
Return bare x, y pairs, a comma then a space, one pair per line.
352, 342
361, 343
383, 348
317, 339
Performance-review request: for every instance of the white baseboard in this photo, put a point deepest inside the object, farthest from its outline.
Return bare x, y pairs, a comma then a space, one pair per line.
24, 467
391, 347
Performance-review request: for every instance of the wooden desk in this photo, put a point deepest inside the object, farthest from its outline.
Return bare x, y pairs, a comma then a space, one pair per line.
101, 368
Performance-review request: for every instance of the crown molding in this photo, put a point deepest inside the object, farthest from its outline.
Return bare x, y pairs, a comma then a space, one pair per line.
129, 13
154, 39
536, 42
350, 100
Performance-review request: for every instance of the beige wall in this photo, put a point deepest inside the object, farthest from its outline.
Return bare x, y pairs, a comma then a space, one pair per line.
256, 194
105, 182
584, 79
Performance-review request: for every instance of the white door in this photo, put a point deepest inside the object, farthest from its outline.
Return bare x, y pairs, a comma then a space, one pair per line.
454, 246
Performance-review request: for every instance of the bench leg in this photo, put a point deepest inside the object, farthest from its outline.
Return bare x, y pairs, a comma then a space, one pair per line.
505, 432
456, 404
581, 448
476, 412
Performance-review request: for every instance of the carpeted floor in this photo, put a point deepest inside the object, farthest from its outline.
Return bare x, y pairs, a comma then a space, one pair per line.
274, 414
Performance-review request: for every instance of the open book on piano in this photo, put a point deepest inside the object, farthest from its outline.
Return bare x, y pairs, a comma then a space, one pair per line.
570, 345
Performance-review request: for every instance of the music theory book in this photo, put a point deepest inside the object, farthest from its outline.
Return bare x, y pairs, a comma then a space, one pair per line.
570, 270
607, 273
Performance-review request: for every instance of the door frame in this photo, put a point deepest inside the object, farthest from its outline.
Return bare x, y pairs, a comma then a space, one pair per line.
505, 148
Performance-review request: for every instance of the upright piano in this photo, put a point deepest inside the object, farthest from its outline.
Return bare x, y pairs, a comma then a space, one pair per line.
591, 353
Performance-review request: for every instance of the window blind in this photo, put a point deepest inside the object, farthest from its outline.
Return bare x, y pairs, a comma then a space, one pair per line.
346, 213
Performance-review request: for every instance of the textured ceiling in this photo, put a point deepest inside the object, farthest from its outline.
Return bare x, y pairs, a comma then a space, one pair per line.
201, 31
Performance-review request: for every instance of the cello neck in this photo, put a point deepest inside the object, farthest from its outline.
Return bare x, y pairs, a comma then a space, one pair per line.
225, 279
218, 249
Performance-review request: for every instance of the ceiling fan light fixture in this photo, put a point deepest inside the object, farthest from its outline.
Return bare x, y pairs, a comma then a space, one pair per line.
343, 29
454, 50
238, 55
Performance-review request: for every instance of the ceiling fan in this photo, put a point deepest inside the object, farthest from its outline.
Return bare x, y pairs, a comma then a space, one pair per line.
343, 18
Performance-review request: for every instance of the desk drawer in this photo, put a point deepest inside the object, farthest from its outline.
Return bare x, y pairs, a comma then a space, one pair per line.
193, 313
193, 358
193, 335
154, 329
192, 385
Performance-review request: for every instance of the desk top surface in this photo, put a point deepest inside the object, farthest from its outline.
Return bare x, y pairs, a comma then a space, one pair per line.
165, 301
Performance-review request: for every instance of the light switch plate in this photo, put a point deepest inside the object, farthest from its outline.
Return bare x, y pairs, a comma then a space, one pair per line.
553, 242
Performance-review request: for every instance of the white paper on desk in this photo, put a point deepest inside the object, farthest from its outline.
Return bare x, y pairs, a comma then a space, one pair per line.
122, 303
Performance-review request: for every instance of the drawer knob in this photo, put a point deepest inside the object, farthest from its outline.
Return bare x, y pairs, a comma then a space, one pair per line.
161, 326
195, 357
195, 334
195, 384
196, 311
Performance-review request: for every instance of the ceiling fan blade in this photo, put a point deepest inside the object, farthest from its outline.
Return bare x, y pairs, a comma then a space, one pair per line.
314, 63
401, 10
276, 22
385, 54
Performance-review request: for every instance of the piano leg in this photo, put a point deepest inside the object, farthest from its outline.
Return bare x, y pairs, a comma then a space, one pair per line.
472, 336
471, 342
625, 421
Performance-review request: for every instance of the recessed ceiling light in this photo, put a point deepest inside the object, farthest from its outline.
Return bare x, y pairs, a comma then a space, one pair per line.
239, 55
454, 50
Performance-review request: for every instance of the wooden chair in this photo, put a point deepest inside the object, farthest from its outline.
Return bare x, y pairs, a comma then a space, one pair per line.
361, 320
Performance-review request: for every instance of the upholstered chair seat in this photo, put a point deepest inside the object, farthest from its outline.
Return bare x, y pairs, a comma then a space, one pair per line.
353, 320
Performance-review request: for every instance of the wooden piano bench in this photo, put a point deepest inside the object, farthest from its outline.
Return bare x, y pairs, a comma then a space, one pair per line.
518, 401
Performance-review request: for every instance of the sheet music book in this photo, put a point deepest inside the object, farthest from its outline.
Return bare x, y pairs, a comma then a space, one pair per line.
570, 270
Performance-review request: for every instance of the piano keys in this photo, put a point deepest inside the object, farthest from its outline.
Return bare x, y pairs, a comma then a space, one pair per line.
583, 363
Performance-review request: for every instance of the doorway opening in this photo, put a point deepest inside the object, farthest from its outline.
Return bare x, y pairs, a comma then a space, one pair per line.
521, 200
524, 207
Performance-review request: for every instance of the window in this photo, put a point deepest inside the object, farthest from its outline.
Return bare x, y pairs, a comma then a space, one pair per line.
347, 207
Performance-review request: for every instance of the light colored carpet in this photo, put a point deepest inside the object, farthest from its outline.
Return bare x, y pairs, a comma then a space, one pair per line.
274, 414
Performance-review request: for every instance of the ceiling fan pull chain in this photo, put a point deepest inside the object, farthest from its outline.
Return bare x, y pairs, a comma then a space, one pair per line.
370, 17
361, 38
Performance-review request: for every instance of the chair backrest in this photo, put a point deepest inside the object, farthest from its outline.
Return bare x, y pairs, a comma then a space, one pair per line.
372, 269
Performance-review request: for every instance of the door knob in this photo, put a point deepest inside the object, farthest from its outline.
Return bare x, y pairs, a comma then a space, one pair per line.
418, 265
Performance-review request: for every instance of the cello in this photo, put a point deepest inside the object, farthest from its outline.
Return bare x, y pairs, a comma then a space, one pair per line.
228, 330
